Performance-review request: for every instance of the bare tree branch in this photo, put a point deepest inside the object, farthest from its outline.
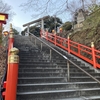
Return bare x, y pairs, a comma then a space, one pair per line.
5, 8
54, 7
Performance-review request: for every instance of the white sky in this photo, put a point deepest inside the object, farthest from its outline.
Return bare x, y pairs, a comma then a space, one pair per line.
21, 17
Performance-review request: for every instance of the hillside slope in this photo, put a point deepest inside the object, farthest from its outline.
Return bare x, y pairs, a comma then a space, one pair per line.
90, 31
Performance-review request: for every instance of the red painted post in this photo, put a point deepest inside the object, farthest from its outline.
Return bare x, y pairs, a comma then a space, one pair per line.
93, 54
68, 44
55, 38
47, 34
78, 49
12, 75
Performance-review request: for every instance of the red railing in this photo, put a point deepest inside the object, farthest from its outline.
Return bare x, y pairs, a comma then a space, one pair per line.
89, 54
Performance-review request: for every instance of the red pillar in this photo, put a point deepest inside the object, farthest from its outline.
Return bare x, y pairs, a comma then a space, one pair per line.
93, 55
12, 75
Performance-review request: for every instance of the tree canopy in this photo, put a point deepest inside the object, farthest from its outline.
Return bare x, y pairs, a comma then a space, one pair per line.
15, 31
52, 23
67, 26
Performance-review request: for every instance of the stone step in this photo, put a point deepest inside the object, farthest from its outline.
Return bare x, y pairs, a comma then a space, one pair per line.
30, 80
48, 69
83, 74
62, 73
51, 65
41, 74
92, 97
82, 79
75, 98
56, 94
42, 69
56, 86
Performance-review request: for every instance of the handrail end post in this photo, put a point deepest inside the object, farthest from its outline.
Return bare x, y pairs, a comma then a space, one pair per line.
12, 75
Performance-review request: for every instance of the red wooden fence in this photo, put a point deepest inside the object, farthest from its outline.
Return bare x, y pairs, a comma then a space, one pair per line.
89, 54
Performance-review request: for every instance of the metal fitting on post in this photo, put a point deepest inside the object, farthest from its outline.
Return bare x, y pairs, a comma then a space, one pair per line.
92, 44
14, 58
68, 37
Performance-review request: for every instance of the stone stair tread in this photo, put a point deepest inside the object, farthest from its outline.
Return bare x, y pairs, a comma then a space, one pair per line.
71, 73
90, 89
41, 77
92, 97
37, 72
56, 83
57, 91
76, 98
44, 92
84, 77
43, 68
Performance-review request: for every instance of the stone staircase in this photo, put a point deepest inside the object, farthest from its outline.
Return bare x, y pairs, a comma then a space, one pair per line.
40, 78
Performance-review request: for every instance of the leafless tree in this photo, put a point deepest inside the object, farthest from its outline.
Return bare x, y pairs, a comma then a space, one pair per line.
54, 7
5, 8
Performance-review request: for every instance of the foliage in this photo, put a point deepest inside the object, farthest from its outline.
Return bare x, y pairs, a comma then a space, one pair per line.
67, 26
52, 23
15, 31
23, 32
90, 32
92, 20
94, 7
33, 29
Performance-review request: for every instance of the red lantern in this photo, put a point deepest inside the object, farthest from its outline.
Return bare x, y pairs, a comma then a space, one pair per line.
3, 18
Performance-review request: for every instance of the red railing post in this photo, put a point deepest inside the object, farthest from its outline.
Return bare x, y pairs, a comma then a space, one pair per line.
79, 49
93, 54
12, 75
68, 44
47, 34
55, 38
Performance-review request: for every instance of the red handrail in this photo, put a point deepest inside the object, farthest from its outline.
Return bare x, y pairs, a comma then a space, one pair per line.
89, 54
